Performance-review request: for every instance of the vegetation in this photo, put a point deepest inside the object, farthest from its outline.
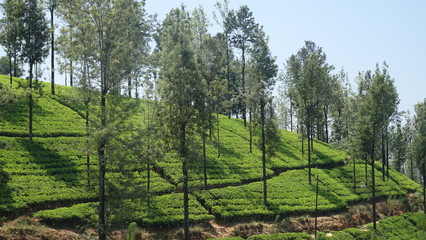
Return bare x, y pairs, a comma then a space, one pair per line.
182, 155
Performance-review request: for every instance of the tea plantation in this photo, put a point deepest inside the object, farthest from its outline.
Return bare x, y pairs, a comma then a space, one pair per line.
54, 177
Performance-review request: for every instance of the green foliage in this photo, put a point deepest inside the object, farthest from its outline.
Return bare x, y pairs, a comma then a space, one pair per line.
282, 236
131, 231
290, 193
164, 210
50, 119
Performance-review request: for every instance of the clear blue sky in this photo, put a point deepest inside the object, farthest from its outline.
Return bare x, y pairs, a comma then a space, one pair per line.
355, 35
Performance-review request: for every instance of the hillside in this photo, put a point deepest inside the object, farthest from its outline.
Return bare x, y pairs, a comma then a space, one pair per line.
52, 179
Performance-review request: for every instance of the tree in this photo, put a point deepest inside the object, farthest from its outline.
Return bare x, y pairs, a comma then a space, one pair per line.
182, 89
6, 69
378, 102
11, 37
51, 5
262, 83
226, 24
35, 37
104, 32
307, 78
420, 143
242, 37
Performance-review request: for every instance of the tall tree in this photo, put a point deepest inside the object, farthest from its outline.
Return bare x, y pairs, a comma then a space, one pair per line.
224, 20
35, 37
242, 37
51, 5
182, 89
264, 72
307, 78
420, 143
105, 31
378, 103
11, 26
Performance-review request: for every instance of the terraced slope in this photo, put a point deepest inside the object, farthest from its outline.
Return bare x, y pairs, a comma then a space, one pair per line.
53, 177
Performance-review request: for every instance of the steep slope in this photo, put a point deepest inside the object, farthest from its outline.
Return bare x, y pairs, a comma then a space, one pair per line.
52, 174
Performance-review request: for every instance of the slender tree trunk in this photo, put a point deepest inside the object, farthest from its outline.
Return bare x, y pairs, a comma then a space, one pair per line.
326, 123
309, 152
383, 157
316, 207
148, 181
129, 87
387, 156
71, 73
204, 161
366, 171
373, 192
250, 132
102, 168
30, 104
15, 64
218, 136
354, 174
411, 168
185, 180
87, 145
243, 86
52, 60
228, 69
265, 186
136, 88
10, 69
291, 115
424, 187
302, 133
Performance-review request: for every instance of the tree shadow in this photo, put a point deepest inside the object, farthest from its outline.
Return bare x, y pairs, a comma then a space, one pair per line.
56, 165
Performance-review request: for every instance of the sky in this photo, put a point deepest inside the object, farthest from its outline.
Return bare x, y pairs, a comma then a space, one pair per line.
355, 35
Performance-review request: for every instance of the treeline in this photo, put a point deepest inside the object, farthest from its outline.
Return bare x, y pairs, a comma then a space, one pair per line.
192, 76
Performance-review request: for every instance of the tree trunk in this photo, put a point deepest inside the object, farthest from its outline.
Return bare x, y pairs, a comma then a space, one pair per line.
316, 207
52, 60
383, 157
411, 168
71, 73
387, 156
218, 136
251, 132
326, 122
87, 145
373, 192
15, 64
309, 152
205, 161
102, 169
30, 104
354, 174
243, 86
228, 69
303, 139
291, 115
129, 87
10, 70
185, 179
424, 187
366, 171
265, 186
148, 181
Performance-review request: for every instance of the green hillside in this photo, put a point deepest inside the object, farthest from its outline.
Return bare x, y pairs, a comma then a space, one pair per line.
52, 178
